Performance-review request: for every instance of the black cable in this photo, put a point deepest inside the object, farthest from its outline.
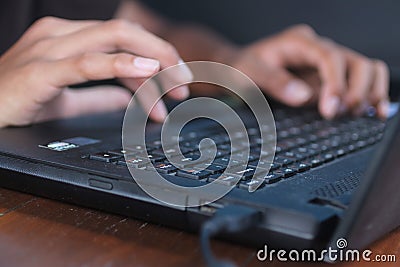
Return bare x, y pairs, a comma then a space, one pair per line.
229, 219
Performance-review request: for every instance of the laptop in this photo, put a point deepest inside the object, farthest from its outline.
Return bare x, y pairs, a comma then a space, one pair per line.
329, 180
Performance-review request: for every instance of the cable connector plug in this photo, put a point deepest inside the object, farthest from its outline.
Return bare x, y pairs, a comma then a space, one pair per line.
230, 219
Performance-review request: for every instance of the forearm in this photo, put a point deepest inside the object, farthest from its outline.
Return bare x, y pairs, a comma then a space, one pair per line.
193, 42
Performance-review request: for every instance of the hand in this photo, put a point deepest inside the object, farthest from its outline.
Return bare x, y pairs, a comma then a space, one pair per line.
299, 67
55, 53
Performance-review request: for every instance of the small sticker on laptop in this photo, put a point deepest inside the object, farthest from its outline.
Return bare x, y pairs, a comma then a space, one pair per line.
70, 143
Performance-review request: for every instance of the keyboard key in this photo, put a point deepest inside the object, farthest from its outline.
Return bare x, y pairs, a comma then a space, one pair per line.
167, 151
361, 144
135, 162
272, 178
105, 157
253, 131
121, 152
192, 135
151, 157
209, 153
154, 144
241, 157
267, 151
213, 168
288, 172
225, 160
193, 174
283, 160
351, 148
165, 168
293, 155
225, 147
300, 167
265, 165
328, 157
300, 141
252, 184
314, 162
156, 159
312, 138
244, 173
294, 131
137, 148
221, 139
305, 152
286, 145
282, 134
193, 145
228, 180
371, 140
340, 152
185, 162
322, 146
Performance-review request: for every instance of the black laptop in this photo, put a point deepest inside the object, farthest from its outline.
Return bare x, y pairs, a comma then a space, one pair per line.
329, 180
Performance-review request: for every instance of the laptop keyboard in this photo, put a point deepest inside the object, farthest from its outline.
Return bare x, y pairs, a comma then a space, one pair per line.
304, 141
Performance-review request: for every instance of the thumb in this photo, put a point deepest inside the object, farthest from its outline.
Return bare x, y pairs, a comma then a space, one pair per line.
284, 87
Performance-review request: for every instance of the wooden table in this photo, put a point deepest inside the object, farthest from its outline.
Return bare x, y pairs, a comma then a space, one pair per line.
40, 232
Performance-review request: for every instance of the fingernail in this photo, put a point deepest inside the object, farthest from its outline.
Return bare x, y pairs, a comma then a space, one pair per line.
185, 71
383, 108
146, 64
159, 112
331, 107
297, 92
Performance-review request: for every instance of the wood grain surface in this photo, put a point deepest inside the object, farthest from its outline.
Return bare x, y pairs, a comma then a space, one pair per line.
41, 232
